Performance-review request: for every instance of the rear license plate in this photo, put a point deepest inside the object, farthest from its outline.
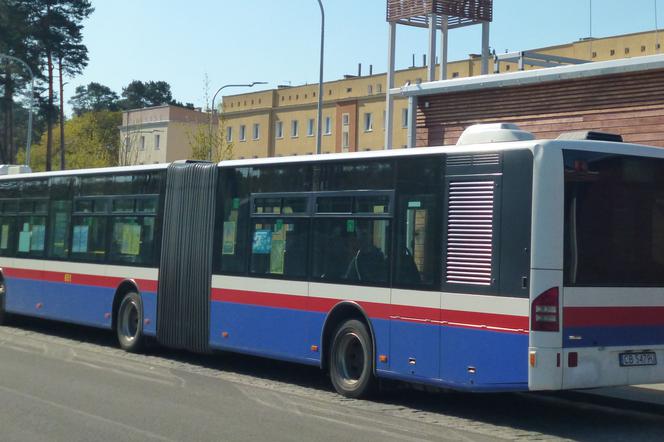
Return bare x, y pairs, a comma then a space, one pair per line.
638, 358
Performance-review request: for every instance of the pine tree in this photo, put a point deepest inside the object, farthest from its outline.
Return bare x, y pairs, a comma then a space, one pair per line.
56, 26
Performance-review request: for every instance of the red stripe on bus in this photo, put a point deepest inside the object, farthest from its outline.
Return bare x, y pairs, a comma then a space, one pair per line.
295, 302
494, 320
612, 316
77, 278
377, 310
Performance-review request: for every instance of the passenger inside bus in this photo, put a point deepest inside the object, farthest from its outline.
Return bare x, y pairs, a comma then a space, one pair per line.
368, 262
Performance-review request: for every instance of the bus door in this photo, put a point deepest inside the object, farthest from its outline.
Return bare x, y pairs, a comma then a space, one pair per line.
415, 306
185, 272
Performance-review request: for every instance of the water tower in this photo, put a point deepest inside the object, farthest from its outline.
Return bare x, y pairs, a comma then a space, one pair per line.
434, 15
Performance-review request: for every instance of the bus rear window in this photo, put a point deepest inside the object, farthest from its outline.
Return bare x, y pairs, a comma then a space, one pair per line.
614, 220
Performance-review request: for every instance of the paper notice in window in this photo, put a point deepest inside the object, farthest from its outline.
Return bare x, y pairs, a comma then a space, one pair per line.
277, 257
262, 243
37, 239
4, 237
24, 241
80, 239
230, 235
131, 239
278, 249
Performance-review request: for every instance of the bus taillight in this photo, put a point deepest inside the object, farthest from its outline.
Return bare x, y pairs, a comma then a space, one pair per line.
544, 315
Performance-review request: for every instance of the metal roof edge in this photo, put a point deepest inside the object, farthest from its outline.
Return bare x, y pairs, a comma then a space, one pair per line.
90, 171
535, 76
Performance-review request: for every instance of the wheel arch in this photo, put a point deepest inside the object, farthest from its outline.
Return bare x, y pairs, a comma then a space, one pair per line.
343, 311
126, 286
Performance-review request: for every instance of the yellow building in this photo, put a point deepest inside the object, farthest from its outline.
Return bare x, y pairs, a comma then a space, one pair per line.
160, 134
282, 121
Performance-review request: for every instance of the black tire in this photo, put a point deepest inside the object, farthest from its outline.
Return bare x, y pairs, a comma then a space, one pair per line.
129, 323
351, 360
3, 313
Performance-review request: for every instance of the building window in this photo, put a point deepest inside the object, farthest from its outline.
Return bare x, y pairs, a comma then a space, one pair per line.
379, 88
243, 132
455, 75
626, 51
294, 129
345, 142
345, 132
594, 54
612, 52
643, 48
310, 127
279, 129
368, 122
156, 142
328, 125
349, 90
370, 90
229, 134
256, 134
507, 68
142, 145
404, 117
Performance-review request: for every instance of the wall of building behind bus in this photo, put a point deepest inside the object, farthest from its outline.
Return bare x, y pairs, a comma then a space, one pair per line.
288, 104
628, 104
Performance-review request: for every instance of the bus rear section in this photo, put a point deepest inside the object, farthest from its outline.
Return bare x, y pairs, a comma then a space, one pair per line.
604, 307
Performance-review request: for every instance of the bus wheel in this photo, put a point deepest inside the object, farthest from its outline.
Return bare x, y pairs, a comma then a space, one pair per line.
3, 314
351, 360
129, 323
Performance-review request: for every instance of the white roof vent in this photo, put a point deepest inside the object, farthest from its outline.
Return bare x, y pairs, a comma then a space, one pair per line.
493, 133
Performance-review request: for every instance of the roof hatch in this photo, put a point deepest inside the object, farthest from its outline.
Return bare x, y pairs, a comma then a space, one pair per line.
493, 133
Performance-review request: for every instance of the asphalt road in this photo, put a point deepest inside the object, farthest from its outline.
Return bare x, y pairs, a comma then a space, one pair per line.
67, 383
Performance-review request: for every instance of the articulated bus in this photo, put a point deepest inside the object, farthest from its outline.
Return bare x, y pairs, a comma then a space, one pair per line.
503, 263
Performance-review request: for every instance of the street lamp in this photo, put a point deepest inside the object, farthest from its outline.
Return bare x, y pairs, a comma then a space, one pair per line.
32, 99
320, 78
213, 109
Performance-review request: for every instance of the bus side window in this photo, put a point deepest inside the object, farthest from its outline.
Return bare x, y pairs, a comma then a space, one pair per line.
234, 220
133, 230
415, 251
8, 234
89, 238
59, 221
279, 247
418, 219
351, 249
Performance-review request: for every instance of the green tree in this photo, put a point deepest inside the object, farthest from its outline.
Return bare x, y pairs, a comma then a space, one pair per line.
56, 26
209, 143
92, 140
15, 40
140, 94
93, 97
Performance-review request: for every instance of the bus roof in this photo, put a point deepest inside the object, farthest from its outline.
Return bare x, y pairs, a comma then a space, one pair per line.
600, 146
99, 170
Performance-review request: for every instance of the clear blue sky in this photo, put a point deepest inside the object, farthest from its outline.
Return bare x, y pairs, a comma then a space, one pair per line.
278, 41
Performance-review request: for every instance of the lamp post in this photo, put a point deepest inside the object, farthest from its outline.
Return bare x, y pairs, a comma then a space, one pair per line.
213, 109
32, 99
320, 79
